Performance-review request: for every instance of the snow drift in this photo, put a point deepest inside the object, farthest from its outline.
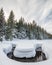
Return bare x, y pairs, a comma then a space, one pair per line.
47, 47
24, 50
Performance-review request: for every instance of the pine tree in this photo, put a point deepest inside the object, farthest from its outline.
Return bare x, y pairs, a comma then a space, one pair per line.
34, 29
10, 26
8, 34
20, 24
2, 23
11, 20
38, 32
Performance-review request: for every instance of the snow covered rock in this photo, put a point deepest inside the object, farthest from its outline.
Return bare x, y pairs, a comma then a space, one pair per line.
38, 47
7, 48
24, 50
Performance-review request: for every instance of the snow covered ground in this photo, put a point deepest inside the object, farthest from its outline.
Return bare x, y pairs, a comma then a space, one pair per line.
46, 45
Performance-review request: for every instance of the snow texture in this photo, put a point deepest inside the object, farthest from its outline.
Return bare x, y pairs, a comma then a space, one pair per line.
24, 50
7, 48
46, 46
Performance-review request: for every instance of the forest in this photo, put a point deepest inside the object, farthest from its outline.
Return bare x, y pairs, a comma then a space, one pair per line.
11, 29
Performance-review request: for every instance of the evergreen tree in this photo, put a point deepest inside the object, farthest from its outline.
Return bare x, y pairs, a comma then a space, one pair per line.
10, 26
11, 20
2, 23
38, 32
28, 32
8, 34
34, 29
20, 24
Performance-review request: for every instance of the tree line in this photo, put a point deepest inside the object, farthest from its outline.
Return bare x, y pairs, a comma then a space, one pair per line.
12, 29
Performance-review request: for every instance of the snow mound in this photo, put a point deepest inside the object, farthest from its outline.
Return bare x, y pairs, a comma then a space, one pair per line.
24, 50
7, 48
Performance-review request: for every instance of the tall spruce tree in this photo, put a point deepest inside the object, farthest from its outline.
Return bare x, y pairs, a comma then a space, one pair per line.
10, 26
2, 23
11, 20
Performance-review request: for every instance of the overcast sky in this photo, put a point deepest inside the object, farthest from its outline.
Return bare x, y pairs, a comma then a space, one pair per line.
38, 10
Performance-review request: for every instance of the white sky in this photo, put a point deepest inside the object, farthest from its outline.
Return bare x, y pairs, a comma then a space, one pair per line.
38, 10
